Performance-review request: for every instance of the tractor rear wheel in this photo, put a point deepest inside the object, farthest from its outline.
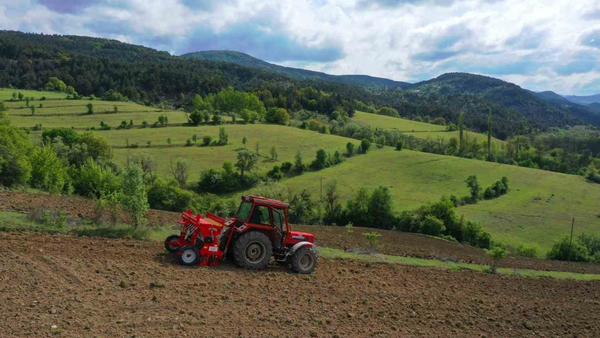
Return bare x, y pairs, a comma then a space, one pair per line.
171, 248
253, 251
189, 256
304, 260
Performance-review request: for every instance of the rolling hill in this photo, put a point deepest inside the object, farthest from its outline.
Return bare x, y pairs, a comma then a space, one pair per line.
246, 60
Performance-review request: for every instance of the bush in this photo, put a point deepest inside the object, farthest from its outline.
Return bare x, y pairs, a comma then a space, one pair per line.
432, 226
134, 196
275, 174
168, 196
406, 222
560, 251
497, 254
68, 135
286, 167
399, 145
321, 160
365, 145
94, 180
15, 166
47, 171
350, 148
526, 251
372, 237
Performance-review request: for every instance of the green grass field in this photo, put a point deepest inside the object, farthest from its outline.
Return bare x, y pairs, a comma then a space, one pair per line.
6, 94
287, 141
537, 210
414, 128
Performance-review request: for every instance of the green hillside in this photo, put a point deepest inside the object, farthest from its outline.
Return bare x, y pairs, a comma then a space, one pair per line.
537, 210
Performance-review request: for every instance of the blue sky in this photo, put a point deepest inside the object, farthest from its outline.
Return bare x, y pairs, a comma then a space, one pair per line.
537, 44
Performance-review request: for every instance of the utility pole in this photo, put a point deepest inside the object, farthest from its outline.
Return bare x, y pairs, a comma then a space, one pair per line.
321, 189
571, 241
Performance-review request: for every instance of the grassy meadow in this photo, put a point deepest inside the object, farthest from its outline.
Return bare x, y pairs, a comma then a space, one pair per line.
417, 129
537, 210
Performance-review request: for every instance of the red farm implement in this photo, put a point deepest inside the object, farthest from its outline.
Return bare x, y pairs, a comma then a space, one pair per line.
259, 231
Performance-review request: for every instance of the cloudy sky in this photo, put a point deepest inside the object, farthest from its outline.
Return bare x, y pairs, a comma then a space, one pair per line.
538, 44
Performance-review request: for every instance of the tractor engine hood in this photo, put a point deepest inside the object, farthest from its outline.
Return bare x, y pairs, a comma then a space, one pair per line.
297, 236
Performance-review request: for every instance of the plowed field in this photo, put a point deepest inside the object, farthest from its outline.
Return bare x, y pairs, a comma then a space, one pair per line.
393, 242
62, 286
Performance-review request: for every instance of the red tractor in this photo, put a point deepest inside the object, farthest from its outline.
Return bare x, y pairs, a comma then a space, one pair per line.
259, 230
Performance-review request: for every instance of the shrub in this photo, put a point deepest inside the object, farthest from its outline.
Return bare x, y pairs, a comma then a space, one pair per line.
68, 135
223, 136
365, 145
321, 160
399, 145
299, 167
350, 148
94, 180
526, 251
188, 143
560, 251
380, 208
286, 167
497, 254
406, 222
47, 171
372, 237
206, 140
275, 174
15, 166
432, 226
474, 187
168, 196
134, 196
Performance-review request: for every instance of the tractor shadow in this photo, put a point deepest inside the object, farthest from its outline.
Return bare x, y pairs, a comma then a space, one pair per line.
167, 259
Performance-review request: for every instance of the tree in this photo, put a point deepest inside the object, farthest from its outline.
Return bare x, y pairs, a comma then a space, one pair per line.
273, 153
489, 135
27, 99
246, 162
32, 110
321, 160
461, 126
357, 209
3, 107
206, 140
350, 148
90, 108
474, 187
14, 95
196, 117
195, 138
298, 165
47, 170
365, 145
180, 171
116, 109
277, 115
497, 254
399, 145
257, 148
244, 141
134, 196
21, 96
432, 226
223, 136
168, 140
381, 208
15, 166
206, 116
333, 207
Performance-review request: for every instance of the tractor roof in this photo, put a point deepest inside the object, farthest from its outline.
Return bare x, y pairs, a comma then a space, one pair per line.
265, 201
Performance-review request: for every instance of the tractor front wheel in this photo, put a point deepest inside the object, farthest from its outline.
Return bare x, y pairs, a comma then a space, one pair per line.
253, 251
171, 248
304, 260
189, 256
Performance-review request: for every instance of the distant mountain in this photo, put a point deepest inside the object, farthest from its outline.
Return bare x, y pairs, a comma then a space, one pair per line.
246, 60
595, 106
551, 96
532, 106
583, 99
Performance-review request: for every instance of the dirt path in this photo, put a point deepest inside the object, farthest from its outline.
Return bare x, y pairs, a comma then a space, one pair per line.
102, 288
393, 242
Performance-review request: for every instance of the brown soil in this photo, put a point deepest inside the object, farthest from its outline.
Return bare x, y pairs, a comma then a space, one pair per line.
123, 288
393, 242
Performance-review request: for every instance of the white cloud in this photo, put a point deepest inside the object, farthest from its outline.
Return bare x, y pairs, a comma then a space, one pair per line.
534, 43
